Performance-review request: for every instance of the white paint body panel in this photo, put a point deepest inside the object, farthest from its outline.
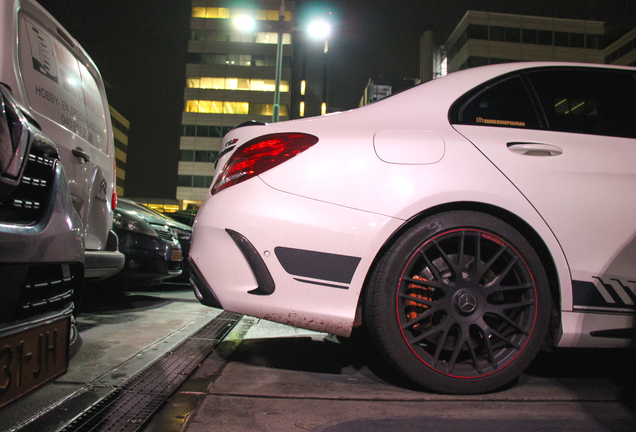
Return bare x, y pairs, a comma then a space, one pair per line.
594, 176
269, 219
408, 147
376, 167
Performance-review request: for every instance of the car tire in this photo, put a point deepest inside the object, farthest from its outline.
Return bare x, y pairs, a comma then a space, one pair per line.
459, 304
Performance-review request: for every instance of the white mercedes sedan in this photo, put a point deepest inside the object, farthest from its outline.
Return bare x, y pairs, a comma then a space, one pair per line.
466, 223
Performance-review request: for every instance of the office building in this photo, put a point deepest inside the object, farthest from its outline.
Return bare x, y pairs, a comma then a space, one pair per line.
623, 51
120, 135
378, 89
230, 79
483, 38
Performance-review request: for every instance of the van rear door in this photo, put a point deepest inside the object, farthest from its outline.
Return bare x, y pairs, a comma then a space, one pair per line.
64, 93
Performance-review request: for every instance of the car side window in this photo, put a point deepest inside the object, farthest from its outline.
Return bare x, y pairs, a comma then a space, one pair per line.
505, 103
589, 101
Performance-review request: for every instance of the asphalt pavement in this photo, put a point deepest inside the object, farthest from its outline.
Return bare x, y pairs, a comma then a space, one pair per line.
120, 334
271, 377
265, 377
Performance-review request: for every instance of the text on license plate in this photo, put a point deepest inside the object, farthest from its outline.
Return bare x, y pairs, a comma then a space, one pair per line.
176, 255
32, 357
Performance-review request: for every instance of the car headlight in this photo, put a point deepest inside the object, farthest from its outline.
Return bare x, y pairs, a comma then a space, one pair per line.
127, 223
13, 138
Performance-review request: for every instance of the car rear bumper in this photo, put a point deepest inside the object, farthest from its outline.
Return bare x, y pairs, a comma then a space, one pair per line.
316, 254
103, 264
202, 290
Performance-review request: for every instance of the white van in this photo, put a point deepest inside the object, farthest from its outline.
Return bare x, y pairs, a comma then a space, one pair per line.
50, 73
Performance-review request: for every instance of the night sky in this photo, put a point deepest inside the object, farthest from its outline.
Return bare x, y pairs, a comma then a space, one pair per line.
140, 48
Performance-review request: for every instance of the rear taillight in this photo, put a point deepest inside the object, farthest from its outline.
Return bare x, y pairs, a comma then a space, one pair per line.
259, 155
114, 198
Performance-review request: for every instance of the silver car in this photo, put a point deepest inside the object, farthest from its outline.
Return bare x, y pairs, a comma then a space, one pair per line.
41, 255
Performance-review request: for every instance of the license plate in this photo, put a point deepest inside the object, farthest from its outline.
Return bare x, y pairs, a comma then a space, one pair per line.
32, 357
176, 255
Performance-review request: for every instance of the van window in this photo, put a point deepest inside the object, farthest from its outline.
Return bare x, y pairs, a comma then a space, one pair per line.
95, 116
59, 87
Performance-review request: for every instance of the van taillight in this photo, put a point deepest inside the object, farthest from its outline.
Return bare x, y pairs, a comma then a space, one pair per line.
114, 198
259, 155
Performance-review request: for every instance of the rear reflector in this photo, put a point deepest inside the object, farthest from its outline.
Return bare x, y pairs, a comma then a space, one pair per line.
259, 155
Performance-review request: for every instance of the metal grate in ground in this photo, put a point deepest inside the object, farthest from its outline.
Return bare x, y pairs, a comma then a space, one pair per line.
129, 407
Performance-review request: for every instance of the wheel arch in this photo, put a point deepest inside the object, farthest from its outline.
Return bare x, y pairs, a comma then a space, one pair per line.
502, 214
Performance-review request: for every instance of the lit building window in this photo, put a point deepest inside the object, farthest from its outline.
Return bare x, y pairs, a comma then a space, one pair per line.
260, 14
303, 85
226, 13
245, 84
210, 12
241, 108
323, 109
302, 109
238, 36
236, 108
272, 38
241, 36
267, 109
239, 59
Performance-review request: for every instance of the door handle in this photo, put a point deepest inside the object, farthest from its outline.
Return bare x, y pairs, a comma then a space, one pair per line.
534, 149
80, 153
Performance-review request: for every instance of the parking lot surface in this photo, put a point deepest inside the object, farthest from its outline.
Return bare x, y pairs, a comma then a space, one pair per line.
264, 376
270, 377
120, 335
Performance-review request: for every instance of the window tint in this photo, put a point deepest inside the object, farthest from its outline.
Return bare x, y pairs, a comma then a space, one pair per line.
200, 156
185, 180
513, 34
504, 104
187, 155
530, 36
198, 181
599, 102
545, 37
477, 32
497, 33
561, 39
577, 40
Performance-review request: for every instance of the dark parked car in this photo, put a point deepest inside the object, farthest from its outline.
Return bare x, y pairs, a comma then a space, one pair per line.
184, 216
182, 230
41, 255
151, 246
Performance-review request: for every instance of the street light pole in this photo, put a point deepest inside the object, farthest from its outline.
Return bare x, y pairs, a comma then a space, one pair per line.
279, 62
320, 30
325, 68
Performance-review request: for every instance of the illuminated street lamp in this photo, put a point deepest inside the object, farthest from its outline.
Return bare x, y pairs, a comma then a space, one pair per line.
245, 23
317, 30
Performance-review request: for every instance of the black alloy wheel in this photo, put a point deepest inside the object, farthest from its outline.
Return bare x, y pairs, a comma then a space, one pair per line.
460, 303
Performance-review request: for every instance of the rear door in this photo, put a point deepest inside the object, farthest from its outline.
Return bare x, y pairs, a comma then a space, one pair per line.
566, 138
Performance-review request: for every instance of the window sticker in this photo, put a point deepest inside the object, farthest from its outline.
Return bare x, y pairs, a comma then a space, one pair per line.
481, 120
41, 52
